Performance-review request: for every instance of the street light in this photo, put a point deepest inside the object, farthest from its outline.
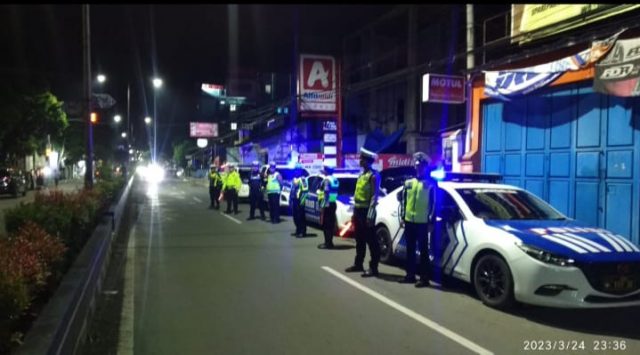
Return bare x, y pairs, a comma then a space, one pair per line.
124, 134
117, 118
101, 78
157, 84
147, 120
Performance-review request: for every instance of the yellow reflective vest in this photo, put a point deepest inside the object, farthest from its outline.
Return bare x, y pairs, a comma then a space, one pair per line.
232, 181
364, 193
417, 201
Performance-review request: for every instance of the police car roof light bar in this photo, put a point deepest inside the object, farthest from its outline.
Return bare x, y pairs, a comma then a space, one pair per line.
472, 177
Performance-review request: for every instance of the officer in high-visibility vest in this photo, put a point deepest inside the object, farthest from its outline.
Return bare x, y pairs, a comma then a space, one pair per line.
215, 186
297, 198
274, 186
416, 211
327, 197
255, 191
364, 215
231, 187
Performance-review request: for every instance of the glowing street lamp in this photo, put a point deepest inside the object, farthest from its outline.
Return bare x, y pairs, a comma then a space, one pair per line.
124, 134
117, 118
147, 120
101, 78
157, 83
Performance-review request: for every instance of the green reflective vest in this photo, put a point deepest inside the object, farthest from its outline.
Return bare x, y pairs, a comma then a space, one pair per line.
273, 185
302, 188
364, 193
233, 181
215, 179
417, 204
329, 188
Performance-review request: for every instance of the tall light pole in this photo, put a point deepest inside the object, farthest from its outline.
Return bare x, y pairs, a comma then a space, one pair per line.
157, 84
86, 56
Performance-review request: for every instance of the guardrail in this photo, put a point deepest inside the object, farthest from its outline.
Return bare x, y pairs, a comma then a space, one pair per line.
62, 324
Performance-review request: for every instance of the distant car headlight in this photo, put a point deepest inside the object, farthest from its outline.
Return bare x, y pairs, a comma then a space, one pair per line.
545, 256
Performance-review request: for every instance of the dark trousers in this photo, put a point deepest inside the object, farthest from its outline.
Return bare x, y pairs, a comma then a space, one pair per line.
365, 235
274, 207
231, 195
299, 218
255, 200
329, 223
417, 233
214, 195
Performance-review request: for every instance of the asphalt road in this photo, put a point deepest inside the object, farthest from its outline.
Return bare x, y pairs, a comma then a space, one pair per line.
198, 282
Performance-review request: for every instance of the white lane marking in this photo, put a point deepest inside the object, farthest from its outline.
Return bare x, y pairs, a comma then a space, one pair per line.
610, 240
562, 242
421, 319
197, 199
126, 338
231, 218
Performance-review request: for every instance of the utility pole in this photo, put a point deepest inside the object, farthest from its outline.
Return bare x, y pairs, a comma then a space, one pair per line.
86, 56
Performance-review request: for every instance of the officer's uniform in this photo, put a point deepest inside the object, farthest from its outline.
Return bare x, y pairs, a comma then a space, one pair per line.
417, 201
232, 187
298, 197
215, 186
255, 192
327, 197
273, 194
364, 214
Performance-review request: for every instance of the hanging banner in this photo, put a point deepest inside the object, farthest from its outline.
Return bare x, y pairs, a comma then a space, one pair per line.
618, 73
510, 84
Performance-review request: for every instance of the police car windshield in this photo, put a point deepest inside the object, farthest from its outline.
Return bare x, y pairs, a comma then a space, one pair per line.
506, 204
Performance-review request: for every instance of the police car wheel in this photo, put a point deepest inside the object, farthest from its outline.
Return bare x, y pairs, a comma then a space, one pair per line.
493, 282
384, 239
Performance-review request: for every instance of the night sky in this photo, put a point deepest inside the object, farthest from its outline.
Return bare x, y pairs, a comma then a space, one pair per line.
184, 45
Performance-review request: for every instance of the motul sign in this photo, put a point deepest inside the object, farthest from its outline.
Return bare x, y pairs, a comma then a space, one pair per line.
317, 83
443, 89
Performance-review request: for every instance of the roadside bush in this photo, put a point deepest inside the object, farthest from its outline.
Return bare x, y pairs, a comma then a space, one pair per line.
29, 261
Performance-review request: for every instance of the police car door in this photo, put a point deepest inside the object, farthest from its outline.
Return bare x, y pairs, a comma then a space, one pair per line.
447, 242
311, 206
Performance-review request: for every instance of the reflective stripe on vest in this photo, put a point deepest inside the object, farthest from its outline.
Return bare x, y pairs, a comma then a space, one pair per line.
363, 193
417, 201
273, 185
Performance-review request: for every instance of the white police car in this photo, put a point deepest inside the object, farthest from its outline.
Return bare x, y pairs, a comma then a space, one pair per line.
512, 246
344, 206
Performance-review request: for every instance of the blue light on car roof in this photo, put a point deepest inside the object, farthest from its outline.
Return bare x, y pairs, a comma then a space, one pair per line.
438, 174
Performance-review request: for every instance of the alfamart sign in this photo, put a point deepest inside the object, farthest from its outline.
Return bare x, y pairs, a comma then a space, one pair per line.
443, 88
317, 83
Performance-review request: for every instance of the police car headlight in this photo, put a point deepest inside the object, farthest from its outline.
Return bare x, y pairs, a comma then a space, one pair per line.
545, 256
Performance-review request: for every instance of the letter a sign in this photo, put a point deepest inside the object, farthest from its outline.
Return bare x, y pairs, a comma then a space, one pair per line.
317, 83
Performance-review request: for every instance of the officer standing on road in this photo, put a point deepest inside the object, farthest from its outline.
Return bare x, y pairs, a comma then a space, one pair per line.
255, 191
215, 186
298, 197
274, 186
416, 211
327, 197
364, 215
232, 187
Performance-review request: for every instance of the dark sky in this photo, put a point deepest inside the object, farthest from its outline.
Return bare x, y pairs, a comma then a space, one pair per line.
184, 44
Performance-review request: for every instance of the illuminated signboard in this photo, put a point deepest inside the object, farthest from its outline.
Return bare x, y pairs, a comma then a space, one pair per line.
203, 130
443, 88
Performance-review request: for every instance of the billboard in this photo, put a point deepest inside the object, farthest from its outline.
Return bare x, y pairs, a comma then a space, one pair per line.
535, 21
618, 74
213, 90
203, 130
317, 83
443, 88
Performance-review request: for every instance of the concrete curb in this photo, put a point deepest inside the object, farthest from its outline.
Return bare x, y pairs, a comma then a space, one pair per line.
62, 324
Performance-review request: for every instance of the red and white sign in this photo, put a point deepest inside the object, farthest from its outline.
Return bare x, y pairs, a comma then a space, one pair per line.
203, 130
213, 89
317, 83
443, 88
384, 161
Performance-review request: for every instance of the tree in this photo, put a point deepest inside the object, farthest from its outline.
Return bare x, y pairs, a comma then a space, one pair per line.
179, 150
27, 118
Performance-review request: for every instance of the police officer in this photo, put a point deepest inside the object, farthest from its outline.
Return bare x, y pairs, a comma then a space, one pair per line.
274, 185
232, 187
255, 191
327, 197
298, 197
364, 215
416, 211
215, 186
